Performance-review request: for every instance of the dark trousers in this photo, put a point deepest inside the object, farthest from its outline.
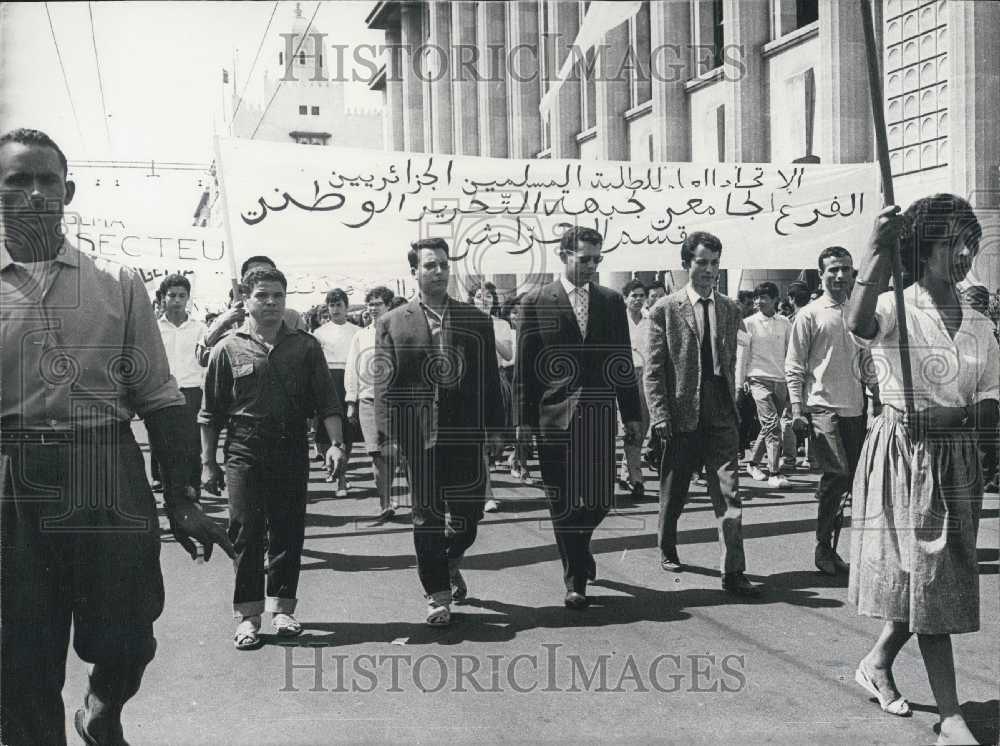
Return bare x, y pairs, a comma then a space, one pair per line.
578, 471
836, 446
80, 546
322, 438
192, 453
448, 487
267, 475
714, 445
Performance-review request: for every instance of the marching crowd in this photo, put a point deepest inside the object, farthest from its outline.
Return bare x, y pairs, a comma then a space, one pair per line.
444, 391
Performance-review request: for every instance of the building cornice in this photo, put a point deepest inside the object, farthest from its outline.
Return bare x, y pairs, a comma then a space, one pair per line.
791, 39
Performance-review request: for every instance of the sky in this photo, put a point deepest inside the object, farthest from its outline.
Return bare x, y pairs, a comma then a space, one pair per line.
160, 65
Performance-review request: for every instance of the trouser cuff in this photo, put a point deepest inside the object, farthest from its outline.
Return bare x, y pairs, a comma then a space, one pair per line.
248, 608
275, 605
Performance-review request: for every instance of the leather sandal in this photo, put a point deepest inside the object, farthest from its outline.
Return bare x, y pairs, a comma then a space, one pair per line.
246, 636
899, 706
285, 625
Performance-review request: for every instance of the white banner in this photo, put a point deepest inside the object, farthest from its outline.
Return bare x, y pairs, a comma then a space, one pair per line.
355, 212
200, 254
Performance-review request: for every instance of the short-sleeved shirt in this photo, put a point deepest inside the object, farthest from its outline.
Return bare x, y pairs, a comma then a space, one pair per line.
285, 384
79, 345
180, 343
639, 334
766, 344
946, 372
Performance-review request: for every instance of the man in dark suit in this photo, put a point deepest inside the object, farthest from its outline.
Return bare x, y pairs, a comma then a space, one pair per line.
689, 377
573, 363
437, 395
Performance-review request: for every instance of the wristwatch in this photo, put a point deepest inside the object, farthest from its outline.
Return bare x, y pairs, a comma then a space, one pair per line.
340, 446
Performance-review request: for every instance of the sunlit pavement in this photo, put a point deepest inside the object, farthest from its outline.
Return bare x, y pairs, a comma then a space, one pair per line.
657, 657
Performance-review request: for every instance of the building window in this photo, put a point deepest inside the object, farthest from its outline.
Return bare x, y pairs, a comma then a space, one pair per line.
302, 58
315, 111
707, 34
916, 72
789, 15
546, 57
302, 110
281, 58
588, 91
640, 53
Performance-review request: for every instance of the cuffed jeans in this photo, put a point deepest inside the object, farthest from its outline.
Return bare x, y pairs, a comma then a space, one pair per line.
267, 474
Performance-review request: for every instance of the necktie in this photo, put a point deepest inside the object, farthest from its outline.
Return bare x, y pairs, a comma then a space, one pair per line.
707, 362
580, 303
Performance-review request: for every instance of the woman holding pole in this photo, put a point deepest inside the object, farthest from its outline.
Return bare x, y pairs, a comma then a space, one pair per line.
918, 488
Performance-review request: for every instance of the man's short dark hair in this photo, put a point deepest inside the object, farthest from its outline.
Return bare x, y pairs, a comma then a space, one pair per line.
256, 260
380, 291
693, 240
337, 295
173, 281
396, 302
633, 284
25, 136
437, 244
766, 288
836, 252
654, 285
800, 296
940, 216
574, 235
263, 274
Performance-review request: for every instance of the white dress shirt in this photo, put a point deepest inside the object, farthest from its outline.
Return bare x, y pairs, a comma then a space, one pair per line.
358, 383
699, 320
639, 335
180, 342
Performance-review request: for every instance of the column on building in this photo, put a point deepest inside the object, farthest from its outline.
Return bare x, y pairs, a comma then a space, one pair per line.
465, 89
845, 113
440, 51
525, 86
613, 96
974, 107
747, 28
670, 41
564, 114
491, 41
411, 28
394, 90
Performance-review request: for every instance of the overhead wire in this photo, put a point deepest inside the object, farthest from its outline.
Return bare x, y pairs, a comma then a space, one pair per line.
62, 67
253, 65
277, 88
100, 80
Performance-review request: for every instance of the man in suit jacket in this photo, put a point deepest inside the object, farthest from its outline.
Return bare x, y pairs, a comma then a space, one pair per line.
573, 363
437, 395
689, 378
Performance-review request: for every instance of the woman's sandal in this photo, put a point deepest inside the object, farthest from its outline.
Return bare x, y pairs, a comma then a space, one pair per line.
899, 706
246, 636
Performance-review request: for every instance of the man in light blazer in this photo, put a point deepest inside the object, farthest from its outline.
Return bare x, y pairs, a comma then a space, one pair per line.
689, 378
437, 395
573, 365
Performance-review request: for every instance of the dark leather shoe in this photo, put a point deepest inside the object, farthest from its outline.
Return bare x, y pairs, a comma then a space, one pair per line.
112, 739
576, 600
737, 584
638, 490
671, 563
827, 560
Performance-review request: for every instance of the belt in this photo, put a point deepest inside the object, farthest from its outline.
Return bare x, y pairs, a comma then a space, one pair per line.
11, 436
271, 428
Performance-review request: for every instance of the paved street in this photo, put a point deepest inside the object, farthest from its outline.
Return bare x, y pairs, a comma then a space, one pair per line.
658, 657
